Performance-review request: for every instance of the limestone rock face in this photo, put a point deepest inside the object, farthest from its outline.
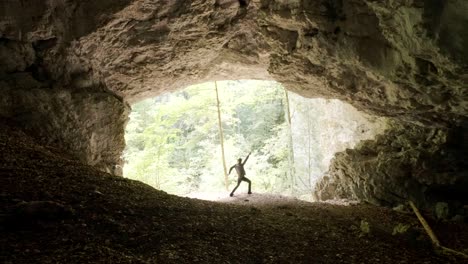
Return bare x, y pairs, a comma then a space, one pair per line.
52, 95
382, 56
87, 125
426, 165
69, 68
398, 58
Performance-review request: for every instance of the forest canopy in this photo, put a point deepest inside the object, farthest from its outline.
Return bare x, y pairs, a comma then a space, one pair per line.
173, 141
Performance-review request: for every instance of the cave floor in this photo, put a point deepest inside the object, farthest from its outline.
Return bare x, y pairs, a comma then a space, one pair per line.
87, 216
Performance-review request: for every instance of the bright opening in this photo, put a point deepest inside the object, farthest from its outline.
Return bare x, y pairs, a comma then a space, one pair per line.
175, 142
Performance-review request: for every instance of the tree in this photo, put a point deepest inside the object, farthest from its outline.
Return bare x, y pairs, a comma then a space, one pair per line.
290, 155
191, 136
221, 138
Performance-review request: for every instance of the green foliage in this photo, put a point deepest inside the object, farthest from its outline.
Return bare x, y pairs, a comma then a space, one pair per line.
365, 228
400, 229
173, 140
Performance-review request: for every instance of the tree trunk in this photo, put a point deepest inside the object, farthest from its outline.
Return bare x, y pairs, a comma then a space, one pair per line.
221, 138
309, 153
158, 170
291, 170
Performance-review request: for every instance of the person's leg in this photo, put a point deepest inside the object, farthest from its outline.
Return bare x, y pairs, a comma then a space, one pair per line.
250, 183
235, 188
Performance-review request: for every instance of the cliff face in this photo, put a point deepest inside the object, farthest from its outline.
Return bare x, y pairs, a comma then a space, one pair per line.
426, 165
53, 95
68, 68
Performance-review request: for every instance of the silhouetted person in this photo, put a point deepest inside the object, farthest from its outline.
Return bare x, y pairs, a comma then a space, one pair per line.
240, 174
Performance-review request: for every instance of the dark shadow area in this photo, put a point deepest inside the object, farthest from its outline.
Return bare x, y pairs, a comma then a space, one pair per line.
106, 218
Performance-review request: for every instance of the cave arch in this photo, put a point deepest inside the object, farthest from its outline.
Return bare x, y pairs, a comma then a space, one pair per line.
69, 71
178, 151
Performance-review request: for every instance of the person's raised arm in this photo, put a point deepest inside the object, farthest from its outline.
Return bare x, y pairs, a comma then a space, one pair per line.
246, 158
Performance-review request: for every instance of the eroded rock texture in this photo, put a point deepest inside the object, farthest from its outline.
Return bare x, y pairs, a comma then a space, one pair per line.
426, 165
398, 58
52, 95
87, 125
382, 56
68, 68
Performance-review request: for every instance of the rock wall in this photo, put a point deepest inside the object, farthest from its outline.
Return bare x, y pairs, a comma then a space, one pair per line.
389, 58
89, 126
61, 106
407, 162
395, 58
319, 129
53, 95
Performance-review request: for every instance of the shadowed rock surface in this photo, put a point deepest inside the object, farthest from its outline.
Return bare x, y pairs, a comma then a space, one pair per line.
426, 165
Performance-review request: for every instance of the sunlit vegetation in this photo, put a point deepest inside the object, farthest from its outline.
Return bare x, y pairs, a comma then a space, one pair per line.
173, 141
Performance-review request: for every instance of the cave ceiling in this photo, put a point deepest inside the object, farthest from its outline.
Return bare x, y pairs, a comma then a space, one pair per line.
404, 58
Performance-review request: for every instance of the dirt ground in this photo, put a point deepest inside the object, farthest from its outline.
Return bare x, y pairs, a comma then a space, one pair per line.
56, 210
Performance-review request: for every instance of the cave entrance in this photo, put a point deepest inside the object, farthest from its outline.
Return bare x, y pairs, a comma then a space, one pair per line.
173, 141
